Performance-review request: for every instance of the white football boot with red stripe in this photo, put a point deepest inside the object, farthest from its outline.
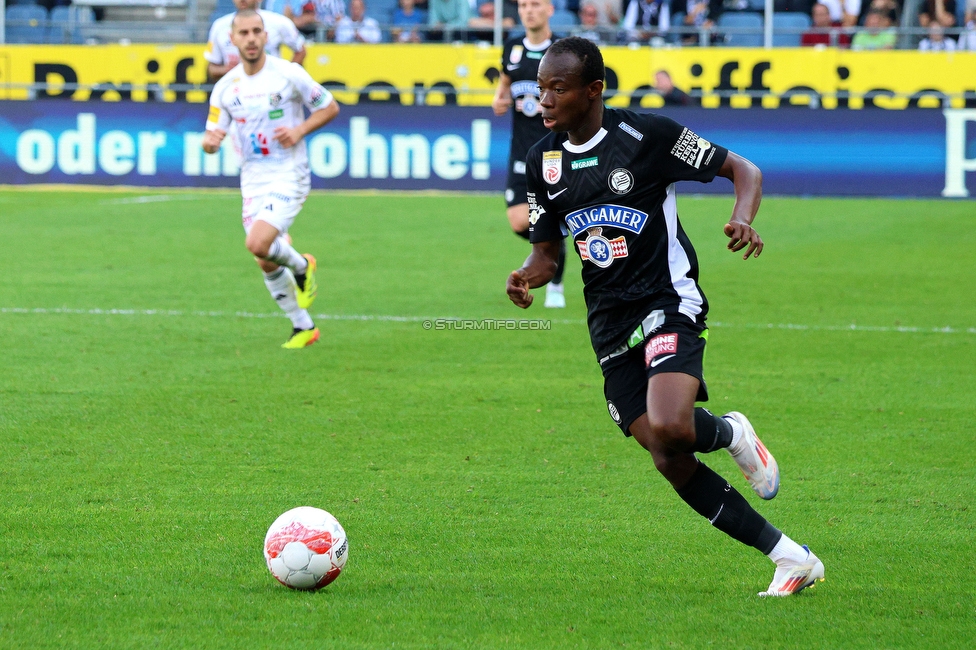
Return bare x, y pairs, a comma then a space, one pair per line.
756, 463
791, 577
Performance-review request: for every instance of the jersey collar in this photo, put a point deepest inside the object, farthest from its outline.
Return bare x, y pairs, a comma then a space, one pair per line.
537, 47
586, 146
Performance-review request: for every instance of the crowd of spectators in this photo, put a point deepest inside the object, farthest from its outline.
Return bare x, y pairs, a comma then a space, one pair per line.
857, 24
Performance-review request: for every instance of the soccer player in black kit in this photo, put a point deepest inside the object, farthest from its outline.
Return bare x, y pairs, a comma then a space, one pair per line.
607, 176
517, 89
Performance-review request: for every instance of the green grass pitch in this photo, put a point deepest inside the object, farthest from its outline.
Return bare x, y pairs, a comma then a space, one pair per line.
488, 498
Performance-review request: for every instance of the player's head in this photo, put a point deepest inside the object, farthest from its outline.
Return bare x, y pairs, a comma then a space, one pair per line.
535, 14
571, 83
248, 35
247, 4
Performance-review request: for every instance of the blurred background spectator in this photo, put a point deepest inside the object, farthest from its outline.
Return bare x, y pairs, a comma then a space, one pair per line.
408, 21
290, 8
876, 33
482, 23
824, 31
967, 40
646, 19
936, 40
937, 11
845, 12
447, 18
357, 27
320, 13
591, 28
700, 14
671, 94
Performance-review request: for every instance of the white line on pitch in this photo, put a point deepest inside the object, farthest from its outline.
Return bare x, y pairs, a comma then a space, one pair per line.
853, 327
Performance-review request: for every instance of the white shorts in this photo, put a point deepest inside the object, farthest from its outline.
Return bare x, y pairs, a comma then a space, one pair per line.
278, 206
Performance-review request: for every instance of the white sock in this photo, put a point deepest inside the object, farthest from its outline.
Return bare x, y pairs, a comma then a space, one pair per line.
282, 253
281, 284
736, 432
786, 550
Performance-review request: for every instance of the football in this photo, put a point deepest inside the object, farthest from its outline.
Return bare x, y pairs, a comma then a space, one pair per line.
306, 548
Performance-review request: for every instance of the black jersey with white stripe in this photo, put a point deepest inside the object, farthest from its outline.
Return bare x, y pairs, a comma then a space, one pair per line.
615, 197
520, 61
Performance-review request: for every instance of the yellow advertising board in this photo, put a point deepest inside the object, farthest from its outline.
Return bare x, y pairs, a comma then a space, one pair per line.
465, 74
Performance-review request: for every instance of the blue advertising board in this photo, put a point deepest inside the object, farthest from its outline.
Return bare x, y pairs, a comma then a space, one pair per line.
924, 152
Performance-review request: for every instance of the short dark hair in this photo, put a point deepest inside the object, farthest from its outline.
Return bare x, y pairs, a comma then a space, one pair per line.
245, 13
588, 54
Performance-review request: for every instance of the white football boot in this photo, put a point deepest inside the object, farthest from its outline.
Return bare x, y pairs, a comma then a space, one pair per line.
791, 577
554, 296
755, 461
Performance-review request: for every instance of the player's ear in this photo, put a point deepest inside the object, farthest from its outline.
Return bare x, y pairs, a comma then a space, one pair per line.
595, 89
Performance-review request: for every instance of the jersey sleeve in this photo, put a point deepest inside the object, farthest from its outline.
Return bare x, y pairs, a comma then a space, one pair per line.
290, 35
214, 52
543, 222
218, 118
313, 94
682, 154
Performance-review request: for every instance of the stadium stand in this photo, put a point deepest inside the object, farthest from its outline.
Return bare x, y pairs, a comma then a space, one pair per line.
65, 24
563, 20
788, 28
741, 28
25, 23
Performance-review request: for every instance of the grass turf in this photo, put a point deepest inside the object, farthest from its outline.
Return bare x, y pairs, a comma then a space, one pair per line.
488, 498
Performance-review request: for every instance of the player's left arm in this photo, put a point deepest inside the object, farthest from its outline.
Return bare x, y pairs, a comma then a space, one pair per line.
747, 180
319, 118
299, 56
318, 100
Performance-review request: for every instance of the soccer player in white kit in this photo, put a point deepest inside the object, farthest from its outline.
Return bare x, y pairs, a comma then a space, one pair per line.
263, 97
221, 53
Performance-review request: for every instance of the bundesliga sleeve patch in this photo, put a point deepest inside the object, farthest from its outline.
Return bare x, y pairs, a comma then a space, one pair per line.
693, 149
659, 349
214, 115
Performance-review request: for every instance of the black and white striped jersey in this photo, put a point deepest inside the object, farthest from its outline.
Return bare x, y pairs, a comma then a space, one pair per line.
615, 197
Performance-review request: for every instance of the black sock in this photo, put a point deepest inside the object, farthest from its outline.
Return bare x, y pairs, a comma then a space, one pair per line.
524, 234
711, 432
561, 264
712, 497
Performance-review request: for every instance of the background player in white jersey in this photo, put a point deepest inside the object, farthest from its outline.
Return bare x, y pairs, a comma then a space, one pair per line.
263, 97
221, 53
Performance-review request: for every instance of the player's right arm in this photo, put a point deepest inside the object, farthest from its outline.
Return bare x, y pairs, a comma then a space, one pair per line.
502, 100
218, 121
544, 233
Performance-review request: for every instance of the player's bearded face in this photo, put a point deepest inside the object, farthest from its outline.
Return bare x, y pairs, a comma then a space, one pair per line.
250, 38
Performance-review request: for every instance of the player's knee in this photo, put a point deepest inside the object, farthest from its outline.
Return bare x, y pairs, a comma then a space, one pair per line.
257, 247
672, 432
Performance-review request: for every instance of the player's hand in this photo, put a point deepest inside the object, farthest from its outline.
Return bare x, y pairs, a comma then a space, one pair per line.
517, 289
212, 139
741, 235
500, 105
287, 137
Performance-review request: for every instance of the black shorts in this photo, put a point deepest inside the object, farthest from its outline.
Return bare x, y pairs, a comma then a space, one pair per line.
674, 347
516, 187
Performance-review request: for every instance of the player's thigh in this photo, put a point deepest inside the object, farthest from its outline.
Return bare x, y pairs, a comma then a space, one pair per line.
625, 388
674, 356
277, 207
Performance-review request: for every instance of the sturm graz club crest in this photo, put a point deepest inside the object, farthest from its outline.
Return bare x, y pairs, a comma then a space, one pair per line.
620, 180
600, 250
